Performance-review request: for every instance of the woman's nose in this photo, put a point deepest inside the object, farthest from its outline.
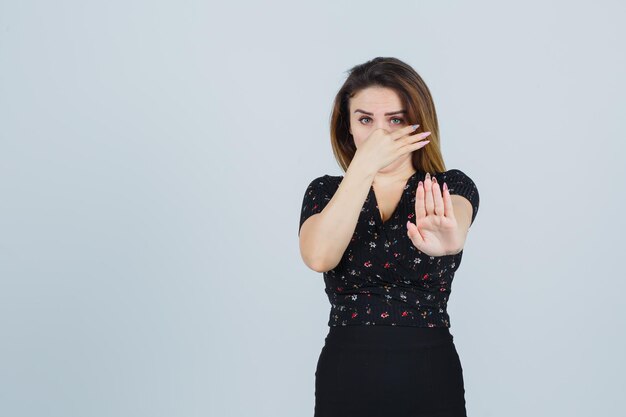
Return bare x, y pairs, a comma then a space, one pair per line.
384, 125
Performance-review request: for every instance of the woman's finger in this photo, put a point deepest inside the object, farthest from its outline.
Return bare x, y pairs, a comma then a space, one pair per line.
413, 142
409, 140
397, 134
412, 146
414, 234
439, 210
447, 202
429, 202
420, 208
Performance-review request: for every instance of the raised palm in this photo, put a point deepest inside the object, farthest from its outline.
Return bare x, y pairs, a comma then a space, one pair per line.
436, 231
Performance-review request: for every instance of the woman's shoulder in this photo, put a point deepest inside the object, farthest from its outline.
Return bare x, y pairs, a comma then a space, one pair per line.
455, 175
454, 171
328, 180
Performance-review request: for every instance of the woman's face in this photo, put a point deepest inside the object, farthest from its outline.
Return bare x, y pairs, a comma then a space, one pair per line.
369, 110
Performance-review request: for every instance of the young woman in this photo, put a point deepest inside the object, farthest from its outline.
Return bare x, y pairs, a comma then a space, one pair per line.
388, 237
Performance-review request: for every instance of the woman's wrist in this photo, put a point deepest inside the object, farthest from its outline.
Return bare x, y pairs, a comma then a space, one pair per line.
361, 170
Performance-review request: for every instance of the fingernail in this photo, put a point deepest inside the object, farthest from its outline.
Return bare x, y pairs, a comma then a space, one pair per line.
424, 134
415, 126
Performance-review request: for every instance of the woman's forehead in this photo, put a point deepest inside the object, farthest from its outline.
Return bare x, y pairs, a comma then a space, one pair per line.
376, 99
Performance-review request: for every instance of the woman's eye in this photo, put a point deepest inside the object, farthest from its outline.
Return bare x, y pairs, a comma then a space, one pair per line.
400, 120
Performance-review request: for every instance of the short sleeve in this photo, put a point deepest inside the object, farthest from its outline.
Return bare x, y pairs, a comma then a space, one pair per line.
316, 196
460, 184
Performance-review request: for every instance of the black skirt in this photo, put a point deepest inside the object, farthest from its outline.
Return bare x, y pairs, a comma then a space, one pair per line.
398, 371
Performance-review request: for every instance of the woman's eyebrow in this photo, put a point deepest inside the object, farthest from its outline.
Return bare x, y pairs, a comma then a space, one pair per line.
386, 114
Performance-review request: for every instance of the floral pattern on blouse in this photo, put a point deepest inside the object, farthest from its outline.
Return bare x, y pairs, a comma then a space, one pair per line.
382, 278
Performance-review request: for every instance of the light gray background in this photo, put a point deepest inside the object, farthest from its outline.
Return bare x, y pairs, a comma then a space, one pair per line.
153, 160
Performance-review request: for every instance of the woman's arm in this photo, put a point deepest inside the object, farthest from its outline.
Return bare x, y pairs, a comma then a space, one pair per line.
445, 207
463, 213
325, 236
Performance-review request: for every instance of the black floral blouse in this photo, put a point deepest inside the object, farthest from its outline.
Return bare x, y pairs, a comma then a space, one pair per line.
382, 278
